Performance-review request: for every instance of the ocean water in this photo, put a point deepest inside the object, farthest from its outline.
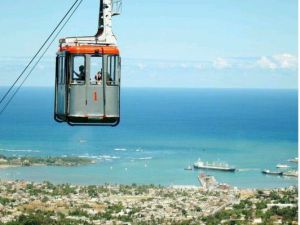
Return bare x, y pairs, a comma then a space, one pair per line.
161, 132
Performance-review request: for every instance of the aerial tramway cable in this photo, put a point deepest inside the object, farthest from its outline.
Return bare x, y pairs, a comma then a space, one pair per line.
40, 58
76, 4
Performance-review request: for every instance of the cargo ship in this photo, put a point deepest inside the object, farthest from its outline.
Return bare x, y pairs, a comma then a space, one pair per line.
214, 166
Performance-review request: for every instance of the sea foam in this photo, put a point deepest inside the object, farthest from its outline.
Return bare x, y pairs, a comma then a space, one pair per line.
19, 150
143, 158
99, 157
120, 149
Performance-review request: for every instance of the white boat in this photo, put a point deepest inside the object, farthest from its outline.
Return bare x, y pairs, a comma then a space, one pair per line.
282, 166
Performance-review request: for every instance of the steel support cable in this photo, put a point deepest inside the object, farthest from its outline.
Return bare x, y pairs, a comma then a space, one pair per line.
40, 58
40, 49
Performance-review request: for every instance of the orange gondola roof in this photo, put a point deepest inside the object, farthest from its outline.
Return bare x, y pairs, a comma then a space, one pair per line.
91, 49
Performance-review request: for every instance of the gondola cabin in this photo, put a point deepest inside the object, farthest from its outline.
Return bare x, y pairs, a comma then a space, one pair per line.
88, 75
88, 85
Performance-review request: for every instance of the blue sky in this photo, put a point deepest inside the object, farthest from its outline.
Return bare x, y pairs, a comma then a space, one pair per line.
169, 43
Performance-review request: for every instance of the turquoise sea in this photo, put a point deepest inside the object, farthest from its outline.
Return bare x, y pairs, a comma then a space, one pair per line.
161, 132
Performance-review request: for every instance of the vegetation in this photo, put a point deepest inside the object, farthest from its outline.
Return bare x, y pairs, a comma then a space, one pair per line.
48, 161
247, 210
41, 218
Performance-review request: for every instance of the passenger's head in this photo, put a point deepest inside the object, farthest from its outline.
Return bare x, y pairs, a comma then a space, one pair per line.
81, 68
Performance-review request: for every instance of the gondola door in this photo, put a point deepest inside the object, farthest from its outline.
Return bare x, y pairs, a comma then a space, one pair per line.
61, 87
78, 86
95, 88
112, 66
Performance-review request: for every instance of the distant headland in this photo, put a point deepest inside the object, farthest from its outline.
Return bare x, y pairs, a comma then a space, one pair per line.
25, 161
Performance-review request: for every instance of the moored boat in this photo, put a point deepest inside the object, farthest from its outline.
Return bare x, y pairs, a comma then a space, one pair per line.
188, 168
269, 172
282, 166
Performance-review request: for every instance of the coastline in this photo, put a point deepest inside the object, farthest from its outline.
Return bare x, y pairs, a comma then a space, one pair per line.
101, 173
8, 166
29, 161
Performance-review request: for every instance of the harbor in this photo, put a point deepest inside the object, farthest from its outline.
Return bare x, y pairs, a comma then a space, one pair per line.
282, 170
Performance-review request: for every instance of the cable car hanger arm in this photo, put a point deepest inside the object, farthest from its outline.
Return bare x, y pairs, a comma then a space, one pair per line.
104, 35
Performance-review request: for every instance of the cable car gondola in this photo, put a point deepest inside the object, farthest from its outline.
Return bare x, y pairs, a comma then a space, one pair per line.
88, 75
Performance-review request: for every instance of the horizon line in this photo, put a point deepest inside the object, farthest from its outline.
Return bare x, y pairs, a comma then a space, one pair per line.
157, 87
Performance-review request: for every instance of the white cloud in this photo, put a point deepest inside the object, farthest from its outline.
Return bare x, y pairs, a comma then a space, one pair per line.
273, 62
280, 61
266, 63
286, 61
221, 63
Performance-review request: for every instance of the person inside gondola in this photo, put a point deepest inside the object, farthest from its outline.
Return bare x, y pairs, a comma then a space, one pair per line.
98, 77
81, 74
109, 80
